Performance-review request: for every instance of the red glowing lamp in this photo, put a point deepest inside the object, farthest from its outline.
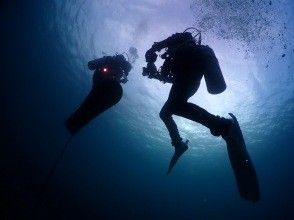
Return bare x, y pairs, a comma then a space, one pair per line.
104, 70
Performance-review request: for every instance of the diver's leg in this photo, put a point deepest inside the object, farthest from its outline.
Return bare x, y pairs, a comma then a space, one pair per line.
180, 147
166, 116
179, 94
216, 124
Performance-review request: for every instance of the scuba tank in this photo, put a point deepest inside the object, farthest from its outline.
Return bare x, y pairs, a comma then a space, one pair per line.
215, 82
213, 76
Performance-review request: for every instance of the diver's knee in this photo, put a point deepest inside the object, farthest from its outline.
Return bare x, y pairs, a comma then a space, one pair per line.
164, 114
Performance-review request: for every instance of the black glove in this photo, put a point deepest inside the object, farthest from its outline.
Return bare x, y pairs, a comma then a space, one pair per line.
150, 56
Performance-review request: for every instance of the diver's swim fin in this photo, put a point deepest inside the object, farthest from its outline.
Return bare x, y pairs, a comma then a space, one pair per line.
177, 154
241, 163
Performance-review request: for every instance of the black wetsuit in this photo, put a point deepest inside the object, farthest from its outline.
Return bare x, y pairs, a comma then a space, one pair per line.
187, 68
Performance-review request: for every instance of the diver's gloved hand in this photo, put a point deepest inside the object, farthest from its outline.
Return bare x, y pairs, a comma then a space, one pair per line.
157, 46
150, 56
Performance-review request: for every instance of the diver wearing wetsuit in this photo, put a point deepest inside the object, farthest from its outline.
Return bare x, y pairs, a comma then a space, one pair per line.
106, 91
184, 66
186, 62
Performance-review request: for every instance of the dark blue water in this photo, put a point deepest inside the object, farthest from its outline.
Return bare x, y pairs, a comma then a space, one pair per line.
115, 168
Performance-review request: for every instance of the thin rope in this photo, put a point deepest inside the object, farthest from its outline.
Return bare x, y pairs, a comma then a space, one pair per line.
57, 161
45, 187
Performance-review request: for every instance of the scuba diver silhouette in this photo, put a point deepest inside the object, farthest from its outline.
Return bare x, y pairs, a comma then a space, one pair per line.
186, 61
109, 72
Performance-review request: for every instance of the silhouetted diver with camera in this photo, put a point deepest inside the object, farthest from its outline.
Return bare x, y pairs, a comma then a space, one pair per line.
186, 61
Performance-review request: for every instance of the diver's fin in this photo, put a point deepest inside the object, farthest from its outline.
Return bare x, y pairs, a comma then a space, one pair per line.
177, 154
241, 163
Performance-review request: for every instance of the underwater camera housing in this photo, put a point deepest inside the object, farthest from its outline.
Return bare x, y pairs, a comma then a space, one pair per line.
150, 70
164, 74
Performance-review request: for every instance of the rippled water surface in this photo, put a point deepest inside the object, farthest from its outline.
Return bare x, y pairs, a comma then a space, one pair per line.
115, 168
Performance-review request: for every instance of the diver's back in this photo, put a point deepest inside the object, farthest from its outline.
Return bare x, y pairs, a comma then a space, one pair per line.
188, 62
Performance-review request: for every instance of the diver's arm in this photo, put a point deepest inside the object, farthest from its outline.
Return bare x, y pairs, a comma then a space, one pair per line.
94, 64
151, 56
170, 41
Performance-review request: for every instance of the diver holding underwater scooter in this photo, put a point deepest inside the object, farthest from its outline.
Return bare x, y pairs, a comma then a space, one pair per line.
186, 61
109, 72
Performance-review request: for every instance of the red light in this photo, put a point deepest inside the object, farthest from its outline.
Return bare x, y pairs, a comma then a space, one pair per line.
104, 70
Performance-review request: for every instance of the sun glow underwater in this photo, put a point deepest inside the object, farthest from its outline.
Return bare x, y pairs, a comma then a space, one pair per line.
98, 124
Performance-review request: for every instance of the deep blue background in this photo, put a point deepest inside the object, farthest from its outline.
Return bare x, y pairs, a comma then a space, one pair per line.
105, 174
